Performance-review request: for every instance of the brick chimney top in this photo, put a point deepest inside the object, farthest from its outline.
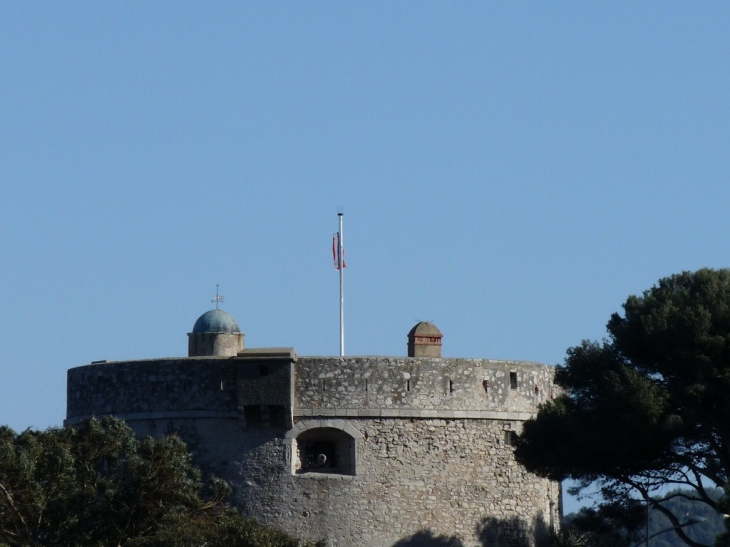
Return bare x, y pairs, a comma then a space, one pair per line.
424, 340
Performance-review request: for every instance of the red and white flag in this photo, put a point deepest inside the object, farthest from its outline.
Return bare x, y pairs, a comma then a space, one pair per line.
336, 250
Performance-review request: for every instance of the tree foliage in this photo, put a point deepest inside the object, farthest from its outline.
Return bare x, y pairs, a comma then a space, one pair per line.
98, 485
624, 526
226, 530
618, 524
710, 526
649, 406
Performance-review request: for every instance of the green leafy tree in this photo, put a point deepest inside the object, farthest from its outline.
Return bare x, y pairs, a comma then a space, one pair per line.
225, 530
710, 525
604, 526
92, 485
98, 485
619, 524
648, 407
568, 538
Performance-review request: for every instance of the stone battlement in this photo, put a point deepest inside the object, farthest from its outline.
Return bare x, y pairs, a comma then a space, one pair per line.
311, 386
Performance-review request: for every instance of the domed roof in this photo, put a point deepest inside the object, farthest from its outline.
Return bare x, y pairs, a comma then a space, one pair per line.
424, 328
216, 321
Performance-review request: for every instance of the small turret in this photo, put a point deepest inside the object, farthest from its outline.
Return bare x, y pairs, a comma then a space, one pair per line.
424, 340
215, 333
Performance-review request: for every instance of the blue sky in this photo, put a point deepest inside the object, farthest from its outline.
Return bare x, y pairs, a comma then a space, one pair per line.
511, 171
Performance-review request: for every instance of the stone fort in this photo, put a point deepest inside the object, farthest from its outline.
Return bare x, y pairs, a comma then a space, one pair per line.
363, 451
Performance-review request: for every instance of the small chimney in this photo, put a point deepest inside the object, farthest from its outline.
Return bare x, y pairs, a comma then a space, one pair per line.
424, 340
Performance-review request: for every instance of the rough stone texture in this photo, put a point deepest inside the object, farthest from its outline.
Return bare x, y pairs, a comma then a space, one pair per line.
412, 383
152, 385
420, 443
214, 344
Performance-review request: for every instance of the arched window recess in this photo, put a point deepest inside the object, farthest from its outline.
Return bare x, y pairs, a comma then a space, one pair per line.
324, 447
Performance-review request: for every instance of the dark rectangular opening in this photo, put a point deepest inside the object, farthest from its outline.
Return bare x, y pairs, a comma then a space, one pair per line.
263, 370
252, 414
277, 416
513, 380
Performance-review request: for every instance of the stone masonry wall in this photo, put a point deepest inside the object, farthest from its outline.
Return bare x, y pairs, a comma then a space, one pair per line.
453, 477
432, 439
196, 385
327, 384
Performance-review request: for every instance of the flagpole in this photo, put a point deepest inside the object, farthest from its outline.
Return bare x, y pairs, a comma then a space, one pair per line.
340, 258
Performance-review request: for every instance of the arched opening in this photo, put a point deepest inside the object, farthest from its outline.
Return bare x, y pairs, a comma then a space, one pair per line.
325, 450
323, 447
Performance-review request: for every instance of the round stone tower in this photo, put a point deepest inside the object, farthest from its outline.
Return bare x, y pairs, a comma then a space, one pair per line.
215, 333
366, 451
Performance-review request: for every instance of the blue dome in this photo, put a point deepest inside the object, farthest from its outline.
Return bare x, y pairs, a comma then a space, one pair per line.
216, 321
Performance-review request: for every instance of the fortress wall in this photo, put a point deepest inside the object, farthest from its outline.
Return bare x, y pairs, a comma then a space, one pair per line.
422, 384
223, 448
152, 385
223, 384
264, 382
442, 475
447, 476
416, 469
